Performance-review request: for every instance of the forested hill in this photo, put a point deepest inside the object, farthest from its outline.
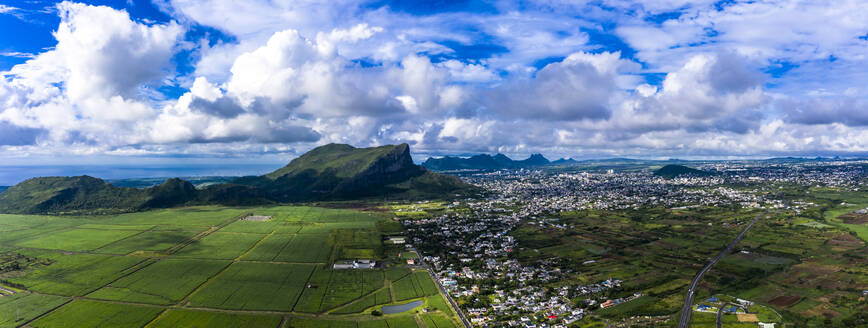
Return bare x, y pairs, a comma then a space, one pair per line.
672, 171
330, 172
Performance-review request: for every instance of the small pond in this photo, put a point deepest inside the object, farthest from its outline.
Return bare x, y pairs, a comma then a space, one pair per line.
391, 309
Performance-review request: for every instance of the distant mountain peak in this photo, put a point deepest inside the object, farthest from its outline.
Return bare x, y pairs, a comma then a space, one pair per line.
483, 162
536, 159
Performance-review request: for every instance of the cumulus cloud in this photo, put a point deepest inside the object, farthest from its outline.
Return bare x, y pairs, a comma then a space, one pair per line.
766, 30
616, 78
87, 86
13, 135
95, 46
710, 92
849, 111
579, 87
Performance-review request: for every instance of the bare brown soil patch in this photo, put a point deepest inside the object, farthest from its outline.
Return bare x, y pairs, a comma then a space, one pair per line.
785, 300
815, 268
820, 310
747, 317
854, 218
829, 284
846, 238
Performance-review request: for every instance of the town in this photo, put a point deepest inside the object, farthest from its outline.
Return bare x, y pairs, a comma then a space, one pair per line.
473, 249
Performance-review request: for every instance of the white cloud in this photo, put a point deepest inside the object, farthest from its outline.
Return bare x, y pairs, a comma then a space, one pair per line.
85, 89
579, 87
301, 73
17, 54
464, 72
5, 9
326, 43
95, 46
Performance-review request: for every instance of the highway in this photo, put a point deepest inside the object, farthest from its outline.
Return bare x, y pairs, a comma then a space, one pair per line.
687, 310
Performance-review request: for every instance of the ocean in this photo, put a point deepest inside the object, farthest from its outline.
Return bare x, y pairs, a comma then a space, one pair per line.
11, 175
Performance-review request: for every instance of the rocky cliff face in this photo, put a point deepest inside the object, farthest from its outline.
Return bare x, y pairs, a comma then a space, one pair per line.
393, 167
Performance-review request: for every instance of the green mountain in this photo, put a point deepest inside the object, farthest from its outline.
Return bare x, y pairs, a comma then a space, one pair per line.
338, 171
331, 172
672, 171
69, 194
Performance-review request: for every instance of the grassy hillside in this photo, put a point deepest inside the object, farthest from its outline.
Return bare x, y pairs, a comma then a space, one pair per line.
344, 160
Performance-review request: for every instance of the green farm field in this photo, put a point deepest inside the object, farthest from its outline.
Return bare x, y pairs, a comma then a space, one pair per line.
206, 267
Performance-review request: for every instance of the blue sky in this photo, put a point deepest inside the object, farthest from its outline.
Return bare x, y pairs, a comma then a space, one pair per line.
117, 81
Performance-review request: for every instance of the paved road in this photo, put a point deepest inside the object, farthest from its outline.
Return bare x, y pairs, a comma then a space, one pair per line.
449, 298
720, 314
687, 310
442, 289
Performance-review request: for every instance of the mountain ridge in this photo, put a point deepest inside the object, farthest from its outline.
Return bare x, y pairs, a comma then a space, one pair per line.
483, 162
329, 172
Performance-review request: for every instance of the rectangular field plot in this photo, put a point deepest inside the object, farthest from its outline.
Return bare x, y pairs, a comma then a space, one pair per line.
292, 248
402, 322
188, 216
165, 282
254, 286
306, 248
14, 228
75, 274
338, 287
78, 239
348, 285
327, 227
316, 214
269, 248
311, 298
262, 227
19, 308
437, 321
394, 274
373, 324
185, 318
154, 241
438, 303
220, 245
139, 227
10, 234
415, 285
321, 323
379, 297
85, 314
